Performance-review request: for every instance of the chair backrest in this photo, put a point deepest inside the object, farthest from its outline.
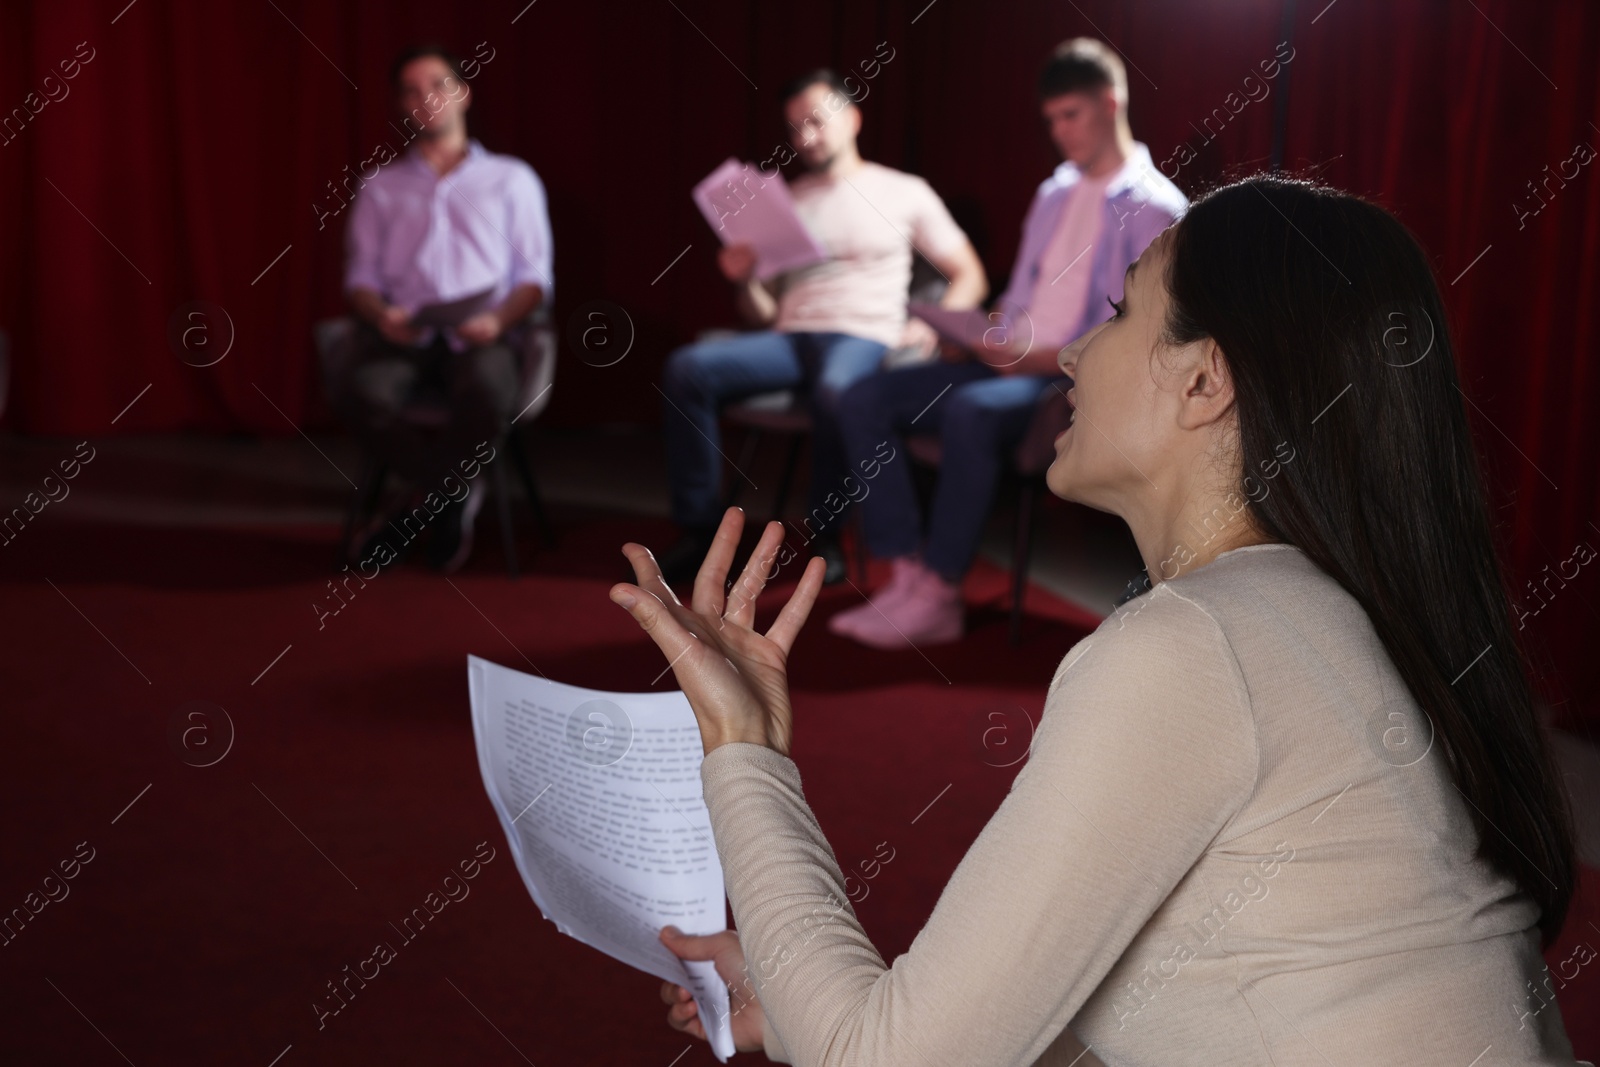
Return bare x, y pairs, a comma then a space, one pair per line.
539, 351
927, 284
335, 340
927, 287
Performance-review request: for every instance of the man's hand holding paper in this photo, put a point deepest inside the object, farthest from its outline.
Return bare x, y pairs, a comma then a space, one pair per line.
1001, 338
746, 206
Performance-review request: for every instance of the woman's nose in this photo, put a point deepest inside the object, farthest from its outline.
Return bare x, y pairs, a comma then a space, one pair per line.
1067, 359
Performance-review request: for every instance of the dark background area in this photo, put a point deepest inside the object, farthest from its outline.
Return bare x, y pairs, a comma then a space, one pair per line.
189, 161
197, 143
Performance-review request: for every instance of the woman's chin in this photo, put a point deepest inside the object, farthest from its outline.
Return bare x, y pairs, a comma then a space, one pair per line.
1058, 477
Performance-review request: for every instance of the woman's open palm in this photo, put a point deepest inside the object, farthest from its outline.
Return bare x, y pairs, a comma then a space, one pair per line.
735, 679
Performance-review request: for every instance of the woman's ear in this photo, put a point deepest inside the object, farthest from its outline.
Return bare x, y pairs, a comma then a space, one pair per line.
1207, 388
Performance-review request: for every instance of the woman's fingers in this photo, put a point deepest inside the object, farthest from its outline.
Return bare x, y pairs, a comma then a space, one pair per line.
690, 1025
651, 581
648, 573
742, 604
793, 616
670, 634
707, 596
683, 1013
695, 946
684, 1006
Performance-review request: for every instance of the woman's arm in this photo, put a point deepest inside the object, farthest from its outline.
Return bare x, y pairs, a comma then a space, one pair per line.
1145, 751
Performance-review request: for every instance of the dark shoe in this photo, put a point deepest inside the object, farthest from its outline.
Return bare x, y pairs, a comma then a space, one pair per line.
379, 530
681, 561
448, 537
833, 556
365, 546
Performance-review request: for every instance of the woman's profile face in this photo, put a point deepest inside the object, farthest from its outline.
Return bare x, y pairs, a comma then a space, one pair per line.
1123, 430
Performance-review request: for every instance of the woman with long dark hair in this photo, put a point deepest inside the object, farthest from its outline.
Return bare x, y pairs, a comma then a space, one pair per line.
1289, 806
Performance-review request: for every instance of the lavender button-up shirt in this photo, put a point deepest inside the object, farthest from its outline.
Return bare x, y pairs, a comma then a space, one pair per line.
418, 238
1140, 202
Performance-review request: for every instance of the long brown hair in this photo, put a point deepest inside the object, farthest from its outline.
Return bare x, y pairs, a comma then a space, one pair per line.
1331, 323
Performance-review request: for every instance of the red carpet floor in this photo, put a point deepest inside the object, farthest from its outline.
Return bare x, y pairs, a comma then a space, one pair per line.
220, 900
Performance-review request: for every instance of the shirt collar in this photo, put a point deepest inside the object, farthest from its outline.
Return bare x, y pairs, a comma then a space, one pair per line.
1125, 177
475, 152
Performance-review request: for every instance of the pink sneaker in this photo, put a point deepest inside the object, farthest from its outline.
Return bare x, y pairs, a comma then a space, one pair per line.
931, 612
905, 573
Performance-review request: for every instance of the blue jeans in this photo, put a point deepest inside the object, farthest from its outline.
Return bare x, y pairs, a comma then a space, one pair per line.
700, 378
979, 421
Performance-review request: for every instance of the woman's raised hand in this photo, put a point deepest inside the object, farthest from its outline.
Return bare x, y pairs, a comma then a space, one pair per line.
736, 679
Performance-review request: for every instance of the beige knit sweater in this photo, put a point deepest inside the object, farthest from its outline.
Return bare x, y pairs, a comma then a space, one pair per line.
1232, 843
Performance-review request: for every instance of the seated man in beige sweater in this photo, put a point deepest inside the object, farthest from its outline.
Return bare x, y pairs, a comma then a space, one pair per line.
1289, 807
819, 328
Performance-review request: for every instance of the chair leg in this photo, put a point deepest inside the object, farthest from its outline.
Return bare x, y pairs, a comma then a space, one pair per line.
787, 480
508, 537
861, 549
1020, 552
747, 456
519, 458
362, 502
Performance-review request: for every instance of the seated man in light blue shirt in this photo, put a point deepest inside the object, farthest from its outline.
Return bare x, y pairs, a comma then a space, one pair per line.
1088, 221
447, 220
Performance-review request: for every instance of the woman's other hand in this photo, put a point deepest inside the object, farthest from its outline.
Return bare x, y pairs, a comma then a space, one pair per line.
727, 955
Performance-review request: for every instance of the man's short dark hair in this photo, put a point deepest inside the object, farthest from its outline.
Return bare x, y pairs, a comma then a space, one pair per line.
1083, 65
423, 51
821, 76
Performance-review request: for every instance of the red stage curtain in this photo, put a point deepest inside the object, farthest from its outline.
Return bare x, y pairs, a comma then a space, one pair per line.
199, 141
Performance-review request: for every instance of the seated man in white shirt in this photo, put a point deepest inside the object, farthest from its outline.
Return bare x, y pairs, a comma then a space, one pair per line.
824, 327
1088, 221
445, 221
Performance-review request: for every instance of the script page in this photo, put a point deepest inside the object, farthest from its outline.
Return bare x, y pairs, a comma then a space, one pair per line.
1000, 332
453, 312
748, 207
599, 796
